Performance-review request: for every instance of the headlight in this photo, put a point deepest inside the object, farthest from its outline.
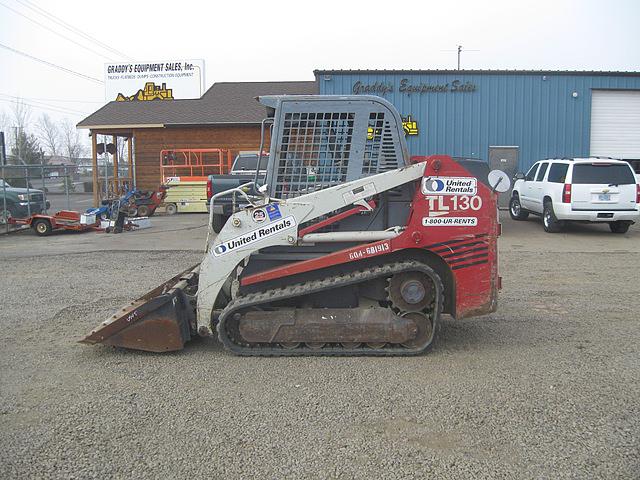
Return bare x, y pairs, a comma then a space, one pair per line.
23, 196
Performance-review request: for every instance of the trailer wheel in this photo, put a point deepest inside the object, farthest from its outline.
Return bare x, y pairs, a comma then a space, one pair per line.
143, 211
42, 227
171, 208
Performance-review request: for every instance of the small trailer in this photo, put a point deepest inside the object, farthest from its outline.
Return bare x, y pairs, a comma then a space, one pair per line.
63, 220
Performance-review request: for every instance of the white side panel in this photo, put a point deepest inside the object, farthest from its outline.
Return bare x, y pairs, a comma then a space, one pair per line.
615, 123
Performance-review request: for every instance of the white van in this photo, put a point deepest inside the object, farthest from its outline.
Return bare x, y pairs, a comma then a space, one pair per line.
578, 189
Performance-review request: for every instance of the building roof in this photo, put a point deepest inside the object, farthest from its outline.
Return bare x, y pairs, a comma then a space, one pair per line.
225, 103
475, 72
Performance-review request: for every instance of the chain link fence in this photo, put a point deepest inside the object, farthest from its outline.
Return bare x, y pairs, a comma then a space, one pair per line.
33, 189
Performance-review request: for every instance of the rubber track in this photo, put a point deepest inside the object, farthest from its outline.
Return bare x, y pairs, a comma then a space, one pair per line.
305, 288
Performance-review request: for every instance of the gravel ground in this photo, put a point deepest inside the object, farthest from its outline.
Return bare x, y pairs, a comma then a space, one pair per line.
547, 387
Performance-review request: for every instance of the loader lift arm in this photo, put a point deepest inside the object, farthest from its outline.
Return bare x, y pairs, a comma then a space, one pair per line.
234, 244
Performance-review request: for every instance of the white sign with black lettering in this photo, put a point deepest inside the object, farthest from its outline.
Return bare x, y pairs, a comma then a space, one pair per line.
444, 205
450, 221
449, 186
254, 236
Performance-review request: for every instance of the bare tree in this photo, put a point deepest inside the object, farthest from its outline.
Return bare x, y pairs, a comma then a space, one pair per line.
72, 145
21, 114
49, 134
5, 123
20, 117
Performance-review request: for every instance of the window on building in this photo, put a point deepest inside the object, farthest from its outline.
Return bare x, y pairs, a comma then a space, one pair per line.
542, 171
558, 172
531, 174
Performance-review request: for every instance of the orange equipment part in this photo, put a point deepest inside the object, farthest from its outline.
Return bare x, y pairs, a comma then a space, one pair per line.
194, 163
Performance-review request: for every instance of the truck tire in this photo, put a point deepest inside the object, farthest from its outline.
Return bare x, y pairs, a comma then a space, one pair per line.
4, 215
143, 211
549, 221
515, 208
218, 222
42, 227
171, 208
619, 226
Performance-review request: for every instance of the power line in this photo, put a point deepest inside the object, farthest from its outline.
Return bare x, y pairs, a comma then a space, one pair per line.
38, 106
63, 100
21, 99
70, 27
73, 72
54, 32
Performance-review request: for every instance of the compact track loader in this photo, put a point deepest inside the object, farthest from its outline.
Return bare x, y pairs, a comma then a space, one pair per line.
347, 247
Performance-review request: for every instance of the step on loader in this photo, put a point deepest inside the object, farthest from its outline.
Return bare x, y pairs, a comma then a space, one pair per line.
351, 247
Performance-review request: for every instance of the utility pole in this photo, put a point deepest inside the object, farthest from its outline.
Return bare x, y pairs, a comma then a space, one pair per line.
459, 51
3, 151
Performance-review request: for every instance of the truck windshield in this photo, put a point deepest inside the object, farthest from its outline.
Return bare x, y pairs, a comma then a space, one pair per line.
603, 173
248, 162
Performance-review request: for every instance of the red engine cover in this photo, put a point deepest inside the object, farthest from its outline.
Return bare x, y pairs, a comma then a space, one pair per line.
454, 216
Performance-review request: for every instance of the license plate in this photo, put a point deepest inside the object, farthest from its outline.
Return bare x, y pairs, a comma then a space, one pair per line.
604, 197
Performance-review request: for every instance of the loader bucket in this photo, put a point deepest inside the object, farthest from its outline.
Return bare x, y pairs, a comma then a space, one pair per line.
159, 321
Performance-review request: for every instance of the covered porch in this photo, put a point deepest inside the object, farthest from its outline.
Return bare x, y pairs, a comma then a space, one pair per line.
115, 173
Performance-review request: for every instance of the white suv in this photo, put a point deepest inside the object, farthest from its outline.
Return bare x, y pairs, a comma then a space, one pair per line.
579, 189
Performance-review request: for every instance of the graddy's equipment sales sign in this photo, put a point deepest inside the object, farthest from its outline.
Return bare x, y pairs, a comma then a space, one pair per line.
160, 80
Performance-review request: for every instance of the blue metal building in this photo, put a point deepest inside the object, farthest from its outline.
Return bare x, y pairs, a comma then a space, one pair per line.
513, 117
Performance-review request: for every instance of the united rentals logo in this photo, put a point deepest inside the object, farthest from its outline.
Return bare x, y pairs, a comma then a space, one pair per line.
254, 236
449, 186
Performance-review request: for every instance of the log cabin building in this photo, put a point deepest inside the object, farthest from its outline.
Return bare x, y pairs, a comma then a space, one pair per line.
226, 117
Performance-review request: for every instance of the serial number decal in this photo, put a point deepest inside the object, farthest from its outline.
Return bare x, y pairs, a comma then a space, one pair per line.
450, 221
450, 186
254, 236
443, 205
369, 251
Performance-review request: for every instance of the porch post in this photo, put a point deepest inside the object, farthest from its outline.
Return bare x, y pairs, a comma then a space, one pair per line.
116, 183
94, 170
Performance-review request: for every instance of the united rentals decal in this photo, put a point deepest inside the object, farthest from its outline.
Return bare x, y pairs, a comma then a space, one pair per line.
254, 236
450, 221
449, 186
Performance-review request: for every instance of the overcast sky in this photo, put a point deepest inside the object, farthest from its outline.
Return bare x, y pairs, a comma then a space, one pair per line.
278, 40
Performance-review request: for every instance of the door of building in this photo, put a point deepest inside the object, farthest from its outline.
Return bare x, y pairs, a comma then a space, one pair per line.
615, 124
505, 159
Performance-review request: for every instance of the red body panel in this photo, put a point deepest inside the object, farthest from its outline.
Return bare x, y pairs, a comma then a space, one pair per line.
461, 228
67, 219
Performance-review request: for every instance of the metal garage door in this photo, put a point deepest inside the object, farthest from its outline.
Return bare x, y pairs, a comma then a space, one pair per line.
615, 123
